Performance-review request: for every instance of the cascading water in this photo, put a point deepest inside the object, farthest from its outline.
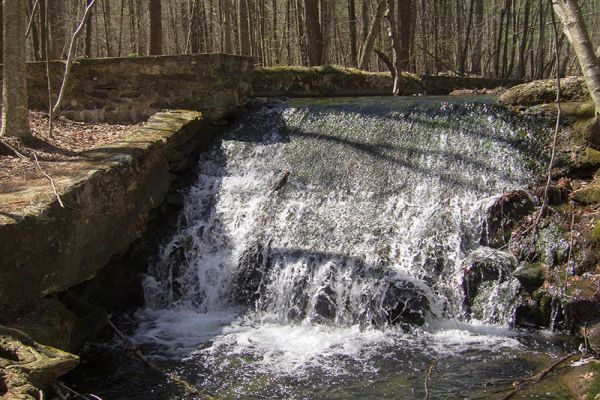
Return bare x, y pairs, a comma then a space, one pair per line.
331, 236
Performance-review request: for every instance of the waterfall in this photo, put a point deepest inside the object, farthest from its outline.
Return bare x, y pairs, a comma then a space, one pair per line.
343, 213
330, 237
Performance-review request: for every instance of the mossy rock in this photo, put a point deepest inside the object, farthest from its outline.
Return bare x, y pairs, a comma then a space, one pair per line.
32, 366
595, 234
531, 276
589, 194
544, 91
50, 323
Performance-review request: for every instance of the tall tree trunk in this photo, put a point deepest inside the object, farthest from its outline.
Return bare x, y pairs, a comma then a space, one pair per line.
194, 27
463, 57
574, 27
327, 7
43, 30
404, 32
314, 40
373, 32
352, 29
227, 28
58, 30
541, 41
107, 27
88, 35
477, 36
395, 37
275, 45
15, 115
156, 35
522, 59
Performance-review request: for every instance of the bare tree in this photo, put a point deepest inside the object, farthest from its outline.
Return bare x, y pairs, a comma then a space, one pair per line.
372, 35
574, 27
15, 114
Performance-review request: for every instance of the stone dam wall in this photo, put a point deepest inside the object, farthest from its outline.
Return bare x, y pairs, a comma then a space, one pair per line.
132, 89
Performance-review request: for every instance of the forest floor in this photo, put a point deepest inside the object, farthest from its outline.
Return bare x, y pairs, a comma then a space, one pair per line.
56, 156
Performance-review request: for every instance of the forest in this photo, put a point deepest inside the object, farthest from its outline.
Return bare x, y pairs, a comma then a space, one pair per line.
492, 38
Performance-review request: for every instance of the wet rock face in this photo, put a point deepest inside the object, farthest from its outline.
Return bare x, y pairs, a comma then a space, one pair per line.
253, 266
503, 215
405, 303
482, 266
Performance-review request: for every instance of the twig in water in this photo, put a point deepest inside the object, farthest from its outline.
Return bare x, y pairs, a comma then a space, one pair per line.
50, 179
82, 396
58, 392
131, 347
427, 377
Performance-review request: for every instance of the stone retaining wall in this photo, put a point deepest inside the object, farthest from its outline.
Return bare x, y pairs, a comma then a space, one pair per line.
336, 81
132, 89
108, 202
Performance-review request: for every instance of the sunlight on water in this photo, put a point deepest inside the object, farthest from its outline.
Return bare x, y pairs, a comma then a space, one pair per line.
329, 238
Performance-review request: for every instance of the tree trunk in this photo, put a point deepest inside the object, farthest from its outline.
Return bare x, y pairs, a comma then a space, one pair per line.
58, 33
227, 28
15, 115
463, 57
522, 59
373, 32
327, 7
404, 33
352, 29
478, 37
314, 40
156, 36
88, 35
575, 30
393, 32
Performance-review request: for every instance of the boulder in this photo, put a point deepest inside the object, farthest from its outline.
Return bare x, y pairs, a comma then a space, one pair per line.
589, 194
531, 276
503, 214
544, 91
405, 302
485, 265
27, 366
253, 265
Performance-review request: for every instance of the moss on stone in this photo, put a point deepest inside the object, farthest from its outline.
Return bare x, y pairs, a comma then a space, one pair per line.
544, 91
589, 194
595, 234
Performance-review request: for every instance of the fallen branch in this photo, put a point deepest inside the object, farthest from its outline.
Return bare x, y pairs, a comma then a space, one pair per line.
17, 153
50, 179
133, 349
59, 385
427, 377
537, 378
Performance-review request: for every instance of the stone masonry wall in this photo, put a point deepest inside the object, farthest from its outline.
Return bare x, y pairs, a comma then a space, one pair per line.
132, 89
108, 203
